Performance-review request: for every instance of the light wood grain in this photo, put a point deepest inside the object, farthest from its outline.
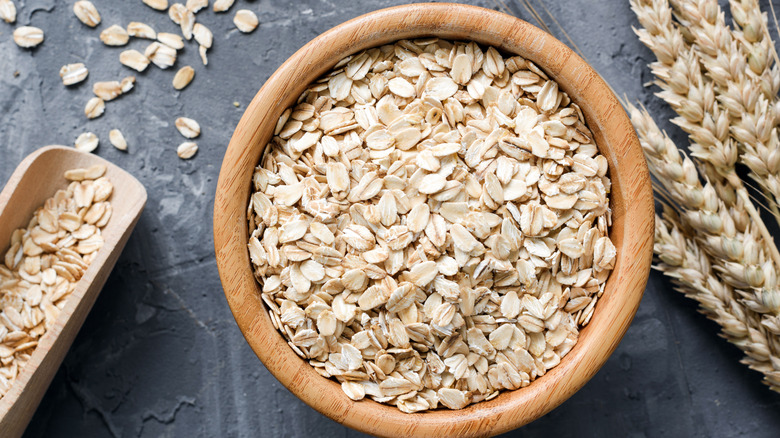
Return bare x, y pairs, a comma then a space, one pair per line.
37, 178
632, 229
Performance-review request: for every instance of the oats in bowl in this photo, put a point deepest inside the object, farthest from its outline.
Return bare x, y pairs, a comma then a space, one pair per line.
430, 224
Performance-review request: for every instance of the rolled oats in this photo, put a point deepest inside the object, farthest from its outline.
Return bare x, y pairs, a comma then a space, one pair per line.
95, 108
28, 36
183, 77
44, 263
222, 5
117, 139
196, 5
187, 127
8, 11
161, 55
141, 30
187, 150
73, 73
429, 224
203, 57
171, 40
108, 90
187, 23
134, 59
176, 12
87, 13
87, 142
114, 36
245, 20
159, 5
202, 35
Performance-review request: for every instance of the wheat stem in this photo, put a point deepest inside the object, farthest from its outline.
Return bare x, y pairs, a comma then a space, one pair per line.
679, 75
746, 83
749, 263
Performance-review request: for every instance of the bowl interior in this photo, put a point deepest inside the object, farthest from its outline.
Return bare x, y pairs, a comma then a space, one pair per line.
631, 232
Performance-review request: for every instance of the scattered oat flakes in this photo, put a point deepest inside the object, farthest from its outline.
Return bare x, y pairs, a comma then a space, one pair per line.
187, 150
159, 5
183, 77
161, 55
187, 23
203, 57
73, 73
127, 84
44, 263
134, 59
87, 142
189, 128
196, 5
176, 12
202, 35
95, 108
114, 36
108, 90
141, 30
28, 36
87, 13
222, 5
153, 47
171, 40
8, 11
245, 20
117, 139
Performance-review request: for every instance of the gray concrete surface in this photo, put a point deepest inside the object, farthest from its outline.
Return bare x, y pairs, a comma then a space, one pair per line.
161, 356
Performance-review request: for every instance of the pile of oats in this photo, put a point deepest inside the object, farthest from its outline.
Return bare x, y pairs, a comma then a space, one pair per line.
430, 223
44, 262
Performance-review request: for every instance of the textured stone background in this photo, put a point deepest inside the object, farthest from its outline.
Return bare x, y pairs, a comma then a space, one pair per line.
161, 356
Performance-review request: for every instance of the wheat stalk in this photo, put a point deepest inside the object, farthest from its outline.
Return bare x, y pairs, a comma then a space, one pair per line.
746, 84
678, 74
746, 81
729, 246
692, 95
724, 231
752, 30
690, 269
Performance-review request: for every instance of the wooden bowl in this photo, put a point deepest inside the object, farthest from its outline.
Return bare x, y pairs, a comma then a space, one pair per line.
36, 179
631, 232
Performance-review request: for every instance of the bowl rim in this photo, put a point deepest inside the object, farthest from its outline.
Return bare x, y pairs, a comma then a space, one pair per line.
632, 229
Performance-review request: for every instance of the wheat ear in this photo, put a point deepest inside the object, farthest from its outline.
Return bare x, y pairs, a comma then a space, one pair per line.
690, 268
752, 30
746, 83
736, 248
692, 95
683, 86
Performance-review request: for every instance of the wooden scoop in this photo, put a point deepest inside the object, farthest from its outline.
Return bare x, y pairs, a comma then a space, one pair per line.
37, 178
